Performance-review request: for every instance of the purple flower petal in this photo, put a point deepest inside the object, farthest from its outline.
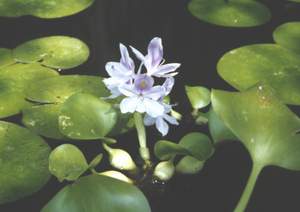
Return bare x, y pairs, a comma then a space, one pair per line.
168, 85
162, 126
117, 70
148, 120
138, 54
128, 90
170, 119
162, 70
129, 104
155, 52
153, 108
155, 93
125, 58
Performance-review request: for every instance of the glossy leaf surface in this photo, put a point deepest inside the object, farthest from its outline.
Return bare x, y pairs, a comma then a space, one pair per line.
86, 117
267, 127
60, 52
96, 193
23, 162
280, 68
230, 13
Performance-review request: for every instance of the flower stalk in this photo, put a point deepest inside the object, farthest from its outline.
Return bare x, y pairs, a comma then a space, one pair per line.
141, 131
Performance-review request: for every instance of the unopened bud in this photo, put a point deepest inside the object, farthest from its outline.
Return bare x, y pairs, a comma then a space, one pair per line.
117, 175
120, 159
164, 171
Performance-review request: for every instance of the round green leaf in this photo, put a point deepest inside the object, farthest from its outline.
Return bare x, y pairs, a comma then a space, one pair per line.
57, 90
288, 36
198, 144
67, 162
13, 81
266, 126
165, 150
189, 165
60, 52
6, 57
230, 13
246, 66
218, 131
23, 162
199, 96
96, 193
86, 117
43, 120
42, 8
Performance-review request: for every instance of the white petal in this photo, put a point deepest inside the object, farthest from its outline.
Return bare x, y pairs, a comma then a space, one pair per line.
127, 90
129, 104
162, 126
170, 119
155, 93
148, 120
153, 108
117, 70
138, 54
125, 58
166, 69
155, 51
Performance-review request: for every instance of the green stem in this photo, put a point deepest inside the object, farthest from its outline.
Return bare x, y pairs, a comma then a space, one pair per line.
242, 205
141, 131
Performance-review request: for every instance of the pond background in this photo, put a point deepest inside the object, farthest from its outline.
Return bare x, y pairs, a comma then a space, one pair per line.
198, 46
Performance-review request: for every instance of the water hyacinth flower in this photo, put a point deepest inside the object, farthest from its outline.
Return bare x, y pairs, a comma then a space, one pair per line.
153, 61
139, 89
120, 72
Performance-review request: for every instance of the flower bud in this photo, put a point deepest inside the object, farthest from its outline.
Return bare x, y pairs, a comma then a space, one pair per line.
117, 175
164, 171
120, 159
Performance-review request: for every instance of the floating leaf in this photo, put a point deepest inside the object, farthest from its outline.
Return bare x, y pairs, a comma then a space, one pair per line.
96, 193
43, 120
230, 13
246, 66
288, 36
42, 8
199, 96
13, 81
60, 52
67, 162
86, 117
218, 131
266, 127
57, 90
189, 165
23, 162
197, 145
165, 150
6, 57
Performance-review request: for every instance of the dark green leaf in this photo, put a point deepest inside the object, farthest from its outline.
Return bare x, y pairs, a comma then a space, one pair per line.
57, 90
23, 162
288, 36
199, 96
266, 127
98, 193
230, 13
67, 162
42, 8
86, 117
189, 165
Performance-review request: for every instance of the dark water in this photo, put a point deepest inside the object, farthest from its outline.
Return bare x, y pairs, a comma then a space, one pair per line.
198, 46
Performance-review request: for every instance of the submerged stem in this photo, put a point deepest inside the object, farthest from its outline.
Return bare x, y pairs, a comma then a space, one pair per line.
141, 131
241, 207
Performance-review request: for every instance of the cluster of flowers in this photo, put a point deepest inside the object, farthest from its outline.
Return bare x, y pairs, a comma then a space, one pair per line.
141, 95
